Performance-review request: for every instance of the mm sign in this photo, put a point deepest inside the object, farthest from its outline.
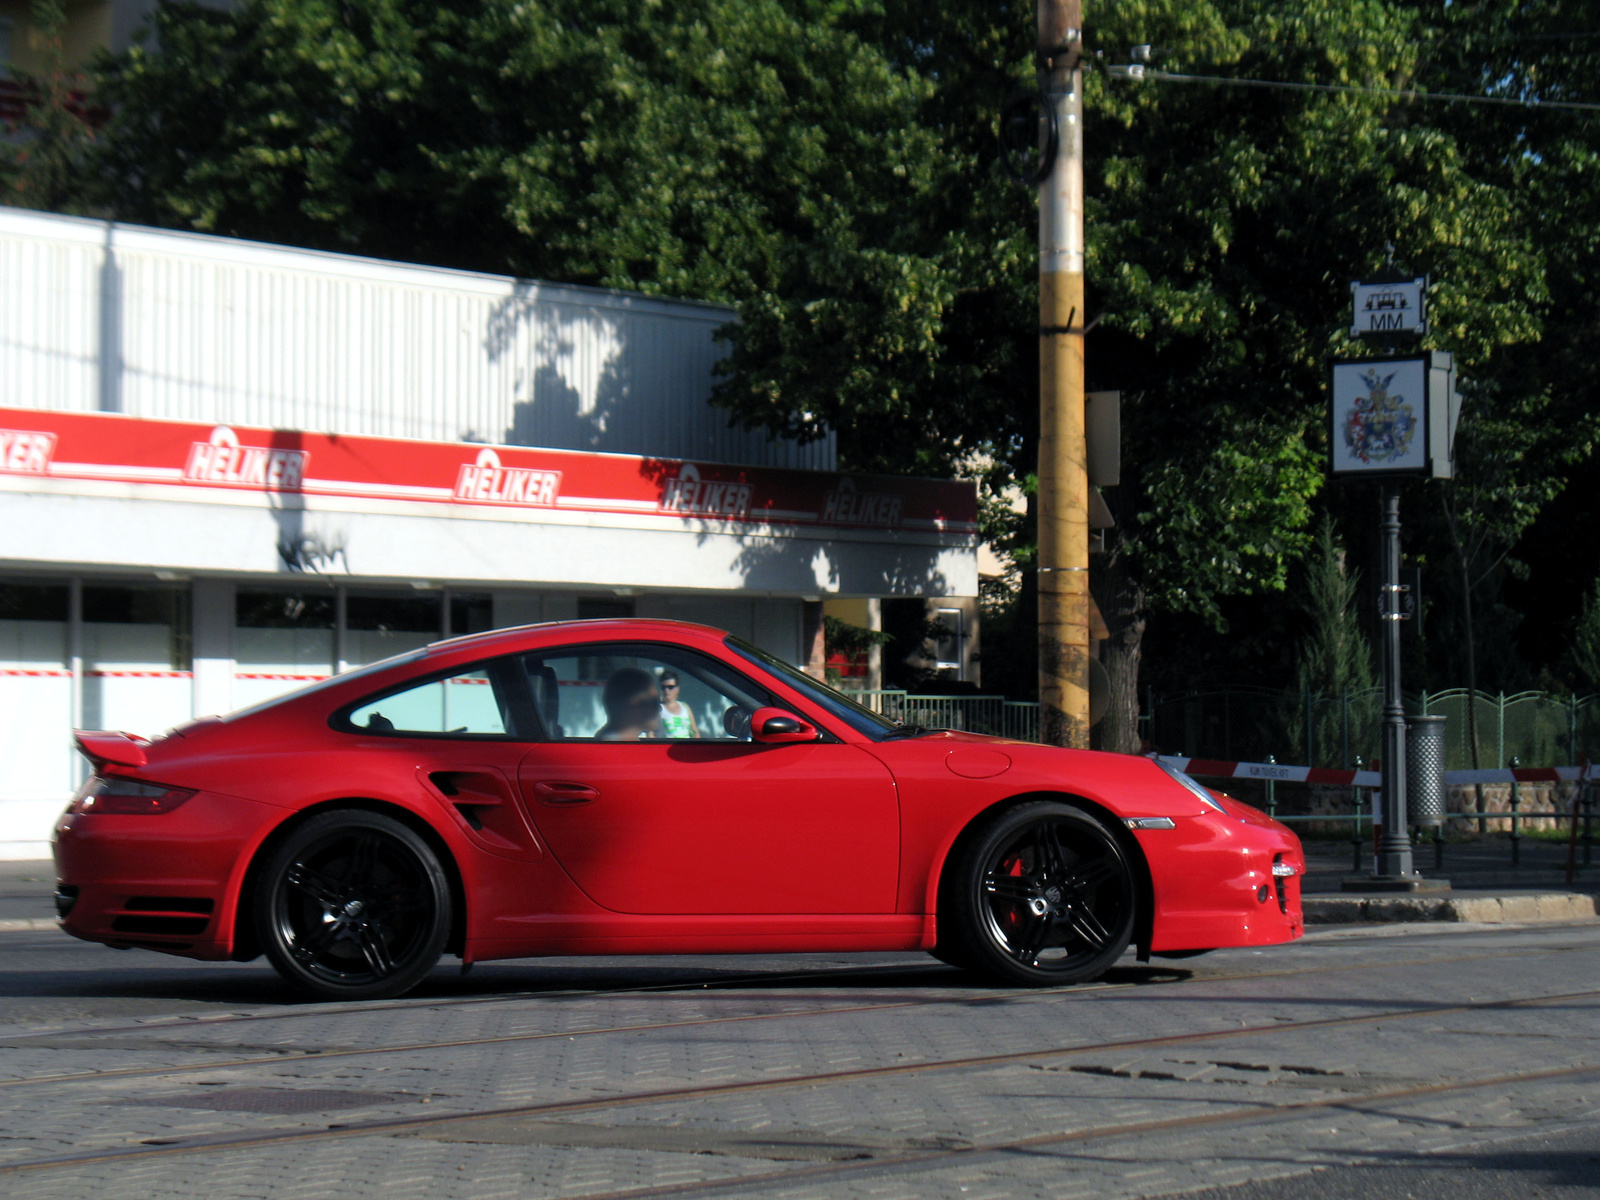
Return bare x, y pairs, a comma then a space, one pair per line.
1385, 309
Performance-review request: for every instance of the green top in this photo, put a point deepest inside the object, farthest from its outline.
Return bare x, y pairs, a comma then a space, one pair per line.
677, 725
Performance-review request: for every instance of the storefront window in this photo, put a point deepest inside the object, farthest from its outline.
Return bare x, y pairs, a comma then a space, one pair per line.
470, 612
33, 625
35, 690
281, 641
378, 624
136, 657
947, 626
600, 608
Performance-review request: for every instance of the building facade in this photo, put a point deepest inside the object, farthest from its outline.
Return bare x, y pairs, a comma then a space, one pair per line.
228, 469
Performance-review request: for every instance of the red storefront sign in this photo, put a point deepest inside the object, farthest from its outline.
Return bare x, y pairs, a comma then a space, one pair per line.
108, 447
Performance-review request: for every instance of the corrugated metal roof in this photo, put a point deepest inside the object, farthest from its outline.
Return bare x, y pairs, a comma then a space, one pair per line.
98, 316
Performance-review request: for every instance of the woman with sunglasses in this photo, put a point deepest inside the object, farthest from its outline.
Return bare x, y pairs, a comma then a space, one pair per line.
677, 718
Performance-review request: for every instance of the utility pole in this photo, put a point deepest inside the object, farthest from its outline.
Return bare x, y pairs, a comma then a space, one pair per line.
1063, 562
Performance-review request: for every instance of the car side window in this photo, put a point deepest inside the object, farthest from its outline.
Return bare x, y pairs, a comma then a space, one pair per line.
468, 703
633, 692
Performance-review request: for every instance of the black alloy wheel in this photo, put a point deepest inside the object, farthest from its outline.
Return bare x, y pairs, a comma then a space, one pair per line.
1042, 895
353, 906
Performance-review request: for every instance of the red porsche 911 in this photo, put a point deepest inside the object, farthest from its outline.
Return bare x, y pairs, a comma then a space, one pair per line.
642, 787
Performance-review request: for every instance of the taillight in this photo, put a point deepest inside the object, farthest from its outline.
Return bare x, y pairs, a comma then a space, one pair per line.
113, 794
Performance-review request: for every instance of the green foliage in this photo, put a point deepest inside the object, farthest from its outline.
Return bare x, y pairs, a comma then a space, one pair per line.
1335, 658
830, 168
674, 149
41, 155
1584, 653
841, 637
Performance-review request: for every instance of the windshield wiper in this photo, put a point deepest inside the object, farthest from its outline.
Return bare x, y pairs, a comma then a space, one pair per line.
908, 731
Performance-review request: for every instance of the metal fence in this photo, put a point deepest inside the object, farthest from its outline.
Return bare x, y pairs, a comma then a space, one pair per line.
1566, 812
993, 715
1307, 728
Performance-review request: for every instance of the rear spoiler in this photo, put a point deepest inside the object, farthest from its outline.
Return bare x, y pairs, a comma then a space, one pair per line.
103, 747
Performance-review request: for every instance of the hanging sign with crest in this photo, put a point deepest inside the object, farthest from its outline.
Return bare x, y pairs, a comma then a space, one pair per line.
1393, 416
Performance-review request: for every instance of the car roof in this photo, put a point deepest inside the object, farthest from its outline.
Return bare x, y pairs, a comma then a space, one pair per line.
610, 628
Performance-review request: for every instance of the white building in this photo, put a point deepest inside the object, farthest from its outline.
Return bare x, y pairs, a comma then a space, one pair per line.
229, 468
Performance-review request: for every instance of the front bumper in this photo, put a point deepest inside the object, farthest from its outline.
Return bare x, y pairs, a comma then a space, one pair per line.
1224, 879
167, 881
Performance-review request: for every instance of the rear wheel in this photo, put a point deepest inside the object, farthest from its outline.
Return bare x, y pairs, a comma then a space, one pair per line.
353, 906
1041, 895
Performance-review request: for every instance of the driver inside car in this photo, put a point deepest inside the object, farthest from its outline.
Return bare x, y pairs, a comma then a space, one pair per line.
633, 706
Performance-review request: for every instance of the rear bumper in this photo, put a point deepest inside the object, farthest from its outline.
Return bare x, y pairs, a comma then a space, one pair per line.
165, 882
1215, 883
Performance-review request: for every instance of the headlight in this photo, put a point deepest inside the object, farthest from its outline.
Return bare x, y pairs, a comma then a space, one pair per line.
1194, 789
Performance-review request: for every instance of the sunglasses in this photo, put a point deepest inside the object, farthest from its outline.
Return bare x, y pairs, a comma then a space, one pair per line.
669, 687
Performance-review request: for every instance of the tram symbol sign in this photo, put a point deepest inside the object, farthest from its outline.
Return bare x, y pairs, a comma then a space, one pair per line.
1385, 309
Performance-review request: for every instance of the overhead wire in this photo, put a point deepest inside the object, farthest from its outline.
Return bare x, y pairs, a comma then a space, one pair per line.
1137, 71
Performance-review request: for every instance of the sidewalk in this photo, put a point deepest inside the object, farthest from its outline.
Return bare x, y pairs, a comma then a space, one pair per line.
27, 891
1485, 887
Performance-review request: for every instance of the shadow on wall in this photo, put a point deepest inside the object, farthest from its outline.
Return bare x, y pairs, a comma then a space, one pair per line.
302, 551
574, 377
111, 364
810, 563
804, 565
621, 380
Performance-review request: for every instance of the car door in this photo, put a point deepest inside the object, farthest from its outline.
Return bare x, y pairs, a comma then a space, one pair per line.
706, 824
465, 733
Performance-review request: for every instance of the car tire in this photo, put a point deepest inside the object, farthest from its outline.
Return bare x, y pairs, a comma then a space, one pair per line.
353, 905
1042, 894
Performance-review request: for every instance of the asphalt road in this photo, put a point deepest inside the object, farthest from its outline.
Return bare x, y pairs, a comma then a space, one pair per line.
1397, 1063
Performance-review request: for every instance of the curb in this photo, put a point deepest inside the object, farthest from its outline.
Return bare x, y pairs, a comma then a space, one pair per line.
1525, 908
21, 924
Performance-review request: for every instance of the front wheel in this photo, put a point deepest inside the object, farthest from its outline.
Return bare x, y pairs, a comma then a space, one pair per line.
1042, 895
353, 906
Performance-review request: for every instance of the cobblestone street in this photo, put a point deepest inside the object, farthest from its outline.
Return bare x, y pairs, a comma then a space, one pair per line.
131, 1075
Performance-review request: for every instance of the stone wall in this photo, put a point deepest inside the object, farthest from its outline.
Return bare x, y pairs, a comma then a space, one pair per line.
1536, 798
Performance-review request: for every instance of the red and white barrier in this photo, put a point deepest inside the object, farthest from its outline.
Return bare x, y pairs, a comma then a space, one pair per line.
1213, 769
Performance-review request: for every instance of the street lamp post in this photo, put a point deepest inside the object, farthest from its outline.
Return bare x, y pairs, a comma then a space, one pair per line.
1393, 861
1390, 418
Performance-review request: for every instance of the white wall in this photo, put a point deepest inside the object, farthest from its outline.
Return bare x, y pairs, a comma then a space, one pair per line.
96, 316
35, 722
76, 526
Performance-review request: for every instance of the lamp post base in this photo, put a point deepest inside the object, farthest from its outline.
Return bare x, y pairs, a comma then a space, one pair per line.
1392, 883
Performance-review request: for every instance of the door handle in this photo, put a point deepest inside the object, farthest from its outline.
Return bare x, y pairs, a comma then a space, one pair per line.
564, 793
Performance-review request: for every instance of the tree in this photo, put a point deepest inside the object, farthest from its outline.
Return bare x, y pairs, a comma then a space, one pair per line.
673, 149
829, 166
1584, 652
1334, 658
40, 157
1223, 225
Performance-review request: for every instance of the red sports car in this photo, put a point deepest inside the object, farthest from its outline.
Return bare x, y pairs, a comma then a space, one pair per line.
642, 787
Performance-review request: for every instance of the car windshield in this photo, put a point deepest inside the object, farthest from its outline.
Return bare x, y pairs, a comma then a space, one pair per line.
862, 720
330, 681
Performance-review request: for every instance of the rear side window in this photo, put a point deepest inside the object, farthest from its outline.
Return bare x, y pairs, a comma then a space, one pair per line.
488, 701
459, 704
